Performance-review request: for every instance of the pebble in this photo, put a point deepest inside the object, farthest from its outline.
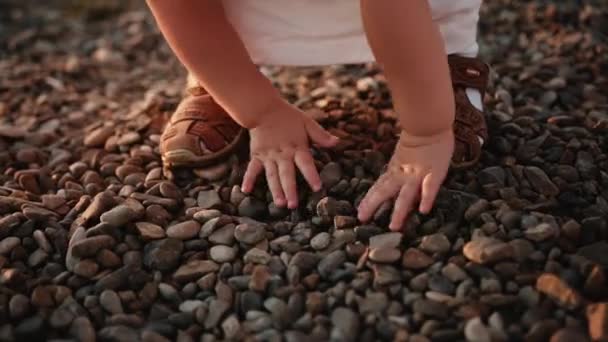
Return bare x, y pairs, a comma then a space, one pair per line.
110, 301
250, 233
222, 254
330, 174
82, 329
416, 259
163, 255
209, 199
118, 216
194, 270
184, 230
435, 243
541, 232
540, 181
454, 273
257, 256
217, 309
486, 250
18, 306
320, 241
150, 231
252, 207
476, 331
86, 268
384, 255
223, 235
597, 318
8, 244
330, 263
88, 247
386, 240
556, 289
345, 324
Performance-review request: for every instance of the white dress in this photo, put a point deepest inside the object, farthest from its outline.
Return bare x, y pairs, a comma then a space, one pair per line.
321, 32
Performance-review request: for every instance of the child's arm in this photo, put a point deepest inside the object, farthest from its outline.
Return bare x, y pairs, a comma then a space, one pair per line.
206, 43
409, 47
209, 47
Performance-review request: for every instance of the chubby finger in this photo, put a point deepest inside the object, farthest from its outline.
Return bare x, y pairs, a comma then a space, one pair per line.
381, 191
254, 168
403, 206
430, 188
287, 176
320, 135
306, 165
272, 178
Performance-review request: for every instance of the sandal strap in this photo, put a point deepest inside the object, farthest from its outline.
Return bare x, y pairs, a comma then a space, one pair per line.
204, 109
469, 72
200, 120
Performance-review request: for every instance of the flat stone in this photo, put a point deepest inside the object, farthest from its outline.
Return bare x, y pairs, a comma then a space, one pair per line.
486, 250
541, 232
163, 255
384, 255
150, 231
305, 261
558, 290
435, 243
597, 316
257, 256
386, 240
454, 273
476, 331
110, 301
99, 136
430, 308
82, 329
330, 174
118, 216
209, 199
222, 254
330, 263
259, 278
86, 268
194, 270
8, 244
250, 233
540, 181
217, 309
415, 259
492, 175
88, 247
320, 241
223, 235
345, 324
184, 230
252, 207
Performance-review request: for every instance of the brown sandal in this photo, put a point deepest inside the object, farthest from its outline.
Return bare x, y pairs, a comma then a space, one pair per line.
200, 133
470, 124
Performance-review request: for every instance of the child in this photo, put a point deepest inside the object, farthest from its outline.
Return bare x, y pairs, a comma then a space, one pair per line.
418, 43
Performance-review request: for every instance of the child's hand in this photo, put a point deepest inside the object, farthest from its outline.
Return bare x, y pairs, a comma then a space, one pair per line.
416, 171
277, 142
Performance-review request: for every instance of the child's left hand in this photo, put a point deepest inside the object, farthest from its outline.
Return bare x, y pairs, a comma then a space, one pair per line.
416, 171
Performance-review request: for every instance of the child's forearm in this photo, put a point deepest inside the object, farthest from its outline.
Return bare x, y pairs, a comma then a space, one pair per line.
409, 47
206, 43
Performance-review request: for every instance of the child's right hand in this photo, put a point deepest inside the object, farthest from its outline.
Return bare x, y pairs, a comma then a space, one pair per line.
280, 140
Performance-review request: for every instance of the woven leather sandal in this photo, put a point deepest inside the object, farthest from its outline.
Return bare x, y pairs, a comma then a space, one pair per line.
470, 124
200, 133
